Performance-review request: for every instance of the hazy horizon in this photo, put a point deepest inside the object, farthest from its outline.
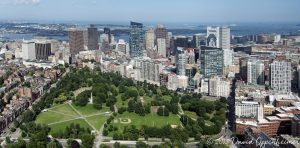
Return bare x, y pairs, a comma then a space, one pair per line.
153, 11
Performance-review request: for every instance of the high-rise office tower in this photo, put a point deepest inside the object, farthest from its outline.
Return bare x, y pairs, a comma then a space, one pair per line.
199, 40
161, 47
168, 43
280, 75
136, 39
161, 35
108, 32
218, 37
76, 41
298, 69
211, 61
179, 41
150, 39
161, 32
181, 61
28, 50
92, 38
255, 72
151, 70
42, 50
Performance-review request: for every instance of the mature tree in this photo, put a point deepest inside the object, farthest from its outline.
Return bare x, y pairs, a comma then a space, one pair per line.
73, 144
54, 144
139, 109
87, 140
132, 93
178, 135
141, 92
163, 111
28, 116
131, 105
61, 98
97, 103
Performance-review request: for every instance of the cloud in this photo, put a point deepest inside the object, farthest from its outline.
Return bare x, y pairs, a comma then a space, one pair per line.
26, 2
20, 2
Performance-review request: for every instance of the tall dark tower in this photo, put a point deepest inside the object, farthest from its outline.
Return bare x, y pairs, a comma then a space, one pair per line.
136, 39
93, 38
108, 32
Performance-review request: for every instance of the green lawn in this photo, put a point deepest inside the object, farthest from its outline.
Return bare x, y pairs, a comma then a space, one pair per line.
97, 121
149, 120
55, 128
64, 108
89, 109
62, 115
50, 117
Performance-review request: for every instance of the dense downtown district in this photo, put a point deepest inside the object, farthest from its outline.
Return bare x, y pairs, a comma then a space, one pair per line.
149, 74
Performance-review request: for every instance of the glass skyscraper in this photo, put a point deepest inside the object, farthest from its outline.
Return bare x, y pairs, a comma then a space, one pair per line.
211, 61
136, 39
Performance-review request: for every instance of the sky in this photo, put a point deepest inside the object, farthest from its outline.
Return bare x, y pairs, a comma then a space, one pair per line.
176, 11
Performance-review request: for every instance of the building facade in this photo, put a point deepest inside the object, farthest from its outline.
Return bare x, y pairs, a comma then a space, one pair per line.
150, 39
211, 61
92, 38
280, 75
136, 39
247, 109
28, 50
181, 61
218, 37
219, 87
161, 47
42, 50
76, 41
255, 72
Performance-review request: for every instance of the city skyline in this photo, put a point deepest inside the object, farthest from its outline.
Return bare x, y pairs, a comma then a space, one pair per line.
166, 11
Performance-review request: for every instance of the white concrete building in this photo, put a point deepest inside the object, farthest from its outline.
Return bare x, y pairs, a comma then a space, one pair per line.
28, 50
255, 72
182, 82
123, 47
280, 76
150, 39
218, 37
228, 57
150, 70
172, 81
277, 38
204, 86
161, 47
247, 109
219, 87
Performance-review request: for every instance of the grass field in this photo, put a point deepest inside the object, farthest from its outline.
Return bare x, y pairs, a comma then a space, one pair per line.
60, 116
97, 121
149, 120
89, 109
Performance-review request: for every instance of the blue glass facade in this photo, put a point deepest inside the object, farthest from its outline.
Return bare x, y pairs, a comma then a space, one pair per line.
136, 39
211, 60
